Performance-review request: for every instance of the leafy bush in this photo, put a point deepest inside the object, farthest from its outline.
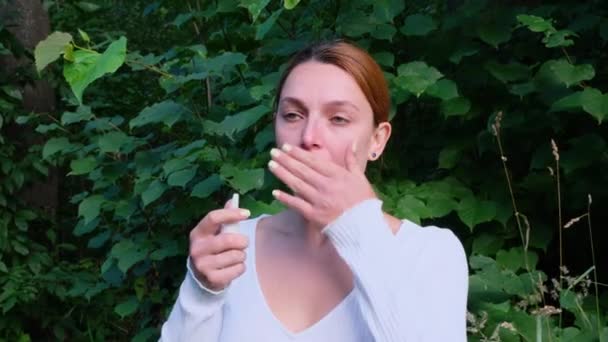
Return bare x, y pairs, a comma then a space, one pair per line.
156, 129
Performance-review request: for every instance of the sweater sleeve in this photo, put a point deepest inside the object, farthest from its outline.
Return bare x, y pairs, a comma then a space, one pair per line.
364, 240
445, 289
197, 313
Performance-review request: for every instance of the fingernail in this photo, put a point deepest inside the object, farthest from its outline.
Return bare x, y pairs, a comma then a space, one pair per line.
286, 147
275, 153
245, 212
272, 164
275, 193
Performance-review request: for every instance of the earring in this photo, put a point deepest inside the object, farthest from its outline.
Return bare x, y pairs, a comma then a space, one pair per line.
374, 155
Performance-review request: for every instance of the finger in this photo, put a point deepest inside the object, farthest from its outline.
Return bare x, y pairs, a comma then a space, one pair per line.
226, 259
351, 158
296, 184
212, 222
296, 203
218, 244
297, 168
321, 166
224, 276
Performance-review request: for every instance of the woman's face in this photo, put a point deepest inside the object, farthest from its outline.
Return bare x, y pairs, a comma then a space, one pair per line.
323, 110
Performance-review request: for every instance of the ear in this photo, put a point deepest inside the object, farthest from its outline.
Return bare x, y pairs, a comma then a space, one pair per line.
378, 140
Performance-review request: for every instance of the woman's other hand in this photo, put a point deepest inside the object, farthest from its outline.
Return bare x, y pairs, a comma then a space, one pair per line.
217, 259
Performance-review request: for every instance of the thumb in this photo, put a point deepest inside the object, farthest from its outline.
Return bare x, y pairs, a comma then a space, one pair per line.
351, 158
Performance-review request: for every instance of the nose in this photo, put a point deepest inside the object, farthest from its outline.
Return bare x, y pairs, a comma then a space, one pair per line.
311, 135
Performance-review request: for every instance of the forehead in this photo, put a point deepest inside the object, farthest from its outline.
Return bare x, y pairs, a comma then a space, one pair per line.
316, 83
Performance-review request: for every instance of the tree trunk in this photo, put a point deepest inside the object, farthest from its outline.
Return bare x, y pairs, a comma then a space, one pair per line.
29, 23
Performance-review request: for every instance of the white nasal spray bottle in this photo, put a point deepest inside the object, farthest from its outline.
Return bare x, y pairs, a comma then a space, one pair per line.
232, 227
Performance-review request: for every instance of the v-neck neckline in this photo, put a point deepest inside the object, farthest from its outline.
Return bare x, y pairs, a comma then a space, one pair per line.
260, 292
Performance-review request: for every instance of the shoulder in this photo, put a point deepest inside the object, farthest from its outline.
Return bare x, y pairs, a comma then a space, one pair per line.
248, 227
266, 222
432, 244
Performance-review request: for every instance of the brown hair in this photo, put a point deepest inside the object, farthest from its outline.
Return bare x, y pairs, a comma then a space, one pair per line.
355, 61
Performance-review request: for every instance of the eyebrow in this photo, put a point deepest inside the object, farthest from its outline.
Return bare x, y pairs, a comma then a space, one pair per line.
336, 103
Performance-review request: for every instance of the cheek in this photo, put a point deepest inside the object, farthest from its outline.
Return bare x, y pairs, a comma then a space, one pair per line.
283, 135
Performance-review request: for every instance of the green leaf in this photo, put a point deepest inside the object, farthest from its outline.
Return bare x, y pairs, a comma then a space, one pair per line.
595, 103
128, 253
508, 72
494, 33
55, 145
20, 248
535, 23
487, 244
255, 7
573, 101
440, 206
82, 166
514, 259
242, 180
559, 39
237, 123
590, 100
127, 307
169, 249
385, 58
462, 52
89, 66
263, 28
167, 112
582, 152
449, 156
112, 142
22, 119
83, 113
416, 77
51, 48
456, 107
570, 74
479, 262
384, 31
4, 51
82, 228
182, 177
522, 89
181, 19
472, 211
153, 192
88, 7
418, 25
84, 36
206, 187
387, 10
219, 64
412, 208
291, 4
176, 164
99, 239
43, 129
444, 89
90, 207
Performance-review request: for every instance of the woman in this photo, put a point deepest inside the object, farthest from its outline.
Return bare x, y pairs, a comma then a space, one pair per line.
333, 266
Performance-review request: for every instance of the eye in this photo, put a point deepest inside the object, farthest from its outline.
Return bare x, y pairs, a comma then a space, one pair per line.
339, 120
291, 116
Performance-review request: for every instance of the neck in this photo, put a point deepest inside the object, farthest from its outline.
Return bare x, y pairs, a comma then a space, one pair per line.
308, 232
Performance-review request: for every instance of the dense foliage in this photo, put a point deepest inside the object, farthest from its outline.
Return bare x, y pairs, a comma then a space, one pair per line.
499, 113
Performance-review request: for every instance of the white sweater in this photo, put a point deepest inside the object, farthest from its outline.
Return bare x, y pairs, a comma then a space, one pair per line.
408, 287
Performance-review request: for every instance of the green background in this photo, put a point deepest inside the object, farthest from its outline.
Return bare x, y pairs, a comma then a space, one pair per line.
165, 108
